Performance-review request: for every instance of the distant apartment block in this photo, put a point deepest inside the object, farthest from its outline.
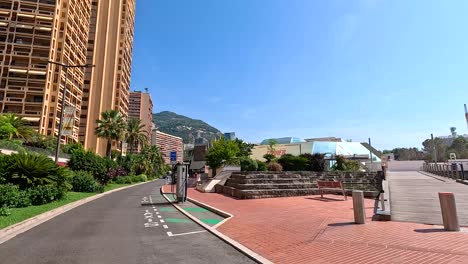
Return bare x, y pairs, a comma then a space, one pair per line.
141, 107
168, 143
109, 48
31, 33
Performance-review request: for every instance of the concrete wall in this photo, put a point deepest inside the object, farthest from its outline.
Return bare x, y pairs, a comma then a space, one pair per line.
294, 149
405, 165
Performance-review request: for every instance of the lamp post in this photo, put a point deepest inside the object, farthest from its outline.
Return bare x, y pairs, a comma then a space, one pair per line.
64, 96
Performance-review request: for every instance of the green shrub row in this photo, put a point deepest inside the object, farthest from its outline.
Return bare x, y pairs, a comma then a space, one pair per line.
11, 196
130, 179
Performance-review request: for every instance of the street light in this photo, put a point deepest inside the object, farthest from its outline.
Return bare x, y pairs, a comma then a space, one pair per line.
64, 96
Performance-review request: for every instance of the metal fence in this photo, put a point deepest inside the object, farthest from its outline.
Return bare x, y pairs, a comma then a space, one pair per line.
453, 170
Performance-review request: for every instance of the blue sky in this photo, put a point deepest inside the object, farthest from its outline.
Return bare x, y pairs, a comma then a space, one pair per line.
391, 70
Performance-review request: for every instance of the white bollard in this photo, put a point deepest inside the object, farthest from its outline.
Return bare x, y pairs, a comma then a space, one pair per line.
449, 211
358, 206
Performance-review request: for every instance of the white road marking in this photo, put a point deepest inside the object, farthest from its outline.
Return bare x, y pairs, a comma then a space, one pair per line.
162, 221
159, 216
150, 220
148, 216
183, 234
165, 227
157, 212
151, 200
153, 224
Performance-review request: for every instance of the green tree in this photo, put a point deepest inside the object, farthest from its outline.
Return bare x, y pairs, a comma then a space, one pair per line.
155, 159
13, 126
272, 145
136, 134
245, 149
441, 149
220, 152
112, 127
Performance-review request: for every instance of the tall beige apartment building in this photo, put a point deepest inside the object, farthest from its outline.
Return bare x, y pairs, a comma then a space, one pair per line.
33, 32
107, 85
73, 32
141, 107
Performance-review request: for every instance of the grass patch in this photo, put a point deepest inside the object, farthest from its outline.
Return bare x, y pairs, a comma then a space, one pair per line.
20, 214
112, 186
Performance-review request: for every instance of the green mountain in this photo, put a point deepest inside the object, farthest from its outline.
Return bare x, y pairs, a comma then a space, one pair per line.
184, 127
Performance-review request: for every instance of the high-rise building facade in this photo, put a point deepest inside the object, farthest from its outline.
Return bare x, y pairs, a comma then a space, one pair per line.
107, 85
168, 143
33, 32
141, 107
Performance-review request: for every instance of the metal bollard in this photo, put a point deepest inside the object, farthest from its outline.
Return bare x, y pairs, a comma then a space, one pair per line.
449, 211
358, 206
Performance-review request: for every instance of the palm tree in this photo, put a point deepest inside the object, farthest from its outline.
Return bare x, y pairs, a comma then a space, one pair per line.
136, 134
111, 126
15, 126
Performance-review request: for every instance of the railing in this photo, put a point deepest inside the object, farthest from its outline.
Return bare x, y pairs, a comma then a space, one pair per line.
453, 170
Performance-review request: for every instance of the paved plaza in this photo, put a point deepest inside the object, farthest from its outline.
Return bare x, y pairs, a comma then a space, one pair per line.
309, 229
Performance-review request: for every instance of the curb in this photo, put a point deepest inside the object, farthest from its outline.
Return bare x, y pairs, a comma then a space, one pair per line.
10, 232
241, 248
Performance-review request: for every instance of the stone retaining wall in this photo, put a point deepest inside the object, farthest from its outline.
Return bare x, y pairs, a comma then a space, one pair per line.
366, 181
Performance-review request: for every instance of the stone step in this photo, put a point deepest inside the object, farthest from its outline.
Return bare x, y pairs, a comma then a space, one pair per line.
268, 186
271, 193
270, 180
266, 176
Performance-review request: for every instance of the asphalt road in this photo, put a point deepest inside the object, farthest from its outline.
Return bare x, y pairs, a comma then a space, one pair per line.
118, 229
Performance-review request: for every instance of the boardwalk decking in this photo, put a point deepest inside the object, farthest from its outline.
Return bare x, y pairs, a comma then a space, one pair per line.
414, 197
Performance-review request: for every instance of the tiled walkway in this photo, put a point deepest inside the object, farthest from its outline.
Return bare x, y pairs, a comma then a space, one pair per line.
310, 230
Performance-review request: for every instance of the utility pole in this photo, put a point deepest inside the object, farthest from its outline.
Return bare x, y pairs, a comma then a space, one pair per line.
434, 148
64, 97
371, 159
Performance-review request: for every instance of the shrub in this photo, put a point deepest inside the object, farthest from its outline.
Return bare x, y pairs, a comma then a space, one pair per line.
83, 181
117, 172
293, 163
248, 164
342, 164
8, 194
316, 162
261, 166
4, 211
88, 161
99, 188
70, 148
274, 166
138, 178
12, 145
269, 157
29, 170
126, 179
44, 194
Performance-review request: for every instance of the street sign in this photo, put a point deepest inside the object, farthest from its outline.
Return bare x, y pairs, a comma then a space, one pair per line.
173, 156
68, 120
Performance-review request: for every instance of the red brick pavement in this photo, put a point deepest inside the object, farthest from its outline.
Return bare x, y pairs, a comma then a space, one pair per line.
308, 229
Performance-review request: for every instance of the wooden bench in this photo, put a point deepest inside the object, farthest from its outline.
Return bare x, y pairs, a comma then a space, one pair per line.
331, 186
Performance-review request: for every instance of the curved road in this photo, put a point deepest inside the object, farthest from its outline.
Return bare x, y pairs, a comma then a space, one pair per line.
112, 230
